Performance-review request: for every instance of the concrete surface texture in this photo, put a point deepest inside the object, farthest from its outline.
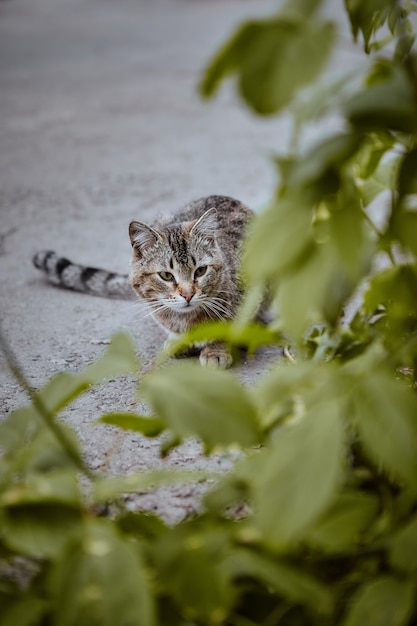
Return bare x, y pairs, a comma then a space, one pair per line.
101, 123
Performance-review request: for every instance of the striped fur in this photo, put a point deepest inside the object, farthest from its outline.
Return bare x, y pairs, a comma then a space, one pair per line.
64, 273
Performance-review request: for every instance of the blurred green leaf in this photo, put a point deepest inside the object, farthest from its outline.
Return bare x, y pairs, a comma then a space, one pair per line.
320, 98
389, 104
351, 238
292, 481
341, 527
105, 489
292, 583
39, 530
206, 403
119, 358
404, 229
396, 290
384, 178
303, 292
29, 446
251, 336
44, 453
41, 512
373, 148
100, 581
280, 236
323, 163
18, 429
229, 492
279, 394
190, 563
403, 547
59, 486
407, 175
384, 601
385, 417
261, 53
141, 525
148, 426
25, 610
367, 16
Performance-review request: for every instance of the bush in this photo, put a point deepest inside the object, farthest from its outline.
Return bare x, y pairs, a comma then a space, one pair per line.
329, 471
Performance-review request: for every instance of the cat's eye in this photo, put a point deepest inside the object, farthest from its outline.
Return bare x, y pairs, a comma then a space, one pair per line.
200, 271
166, 276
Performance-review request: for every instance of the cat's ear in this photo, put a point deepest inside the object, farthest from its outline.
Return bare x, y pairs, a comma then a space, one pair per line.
206, 225
142, 236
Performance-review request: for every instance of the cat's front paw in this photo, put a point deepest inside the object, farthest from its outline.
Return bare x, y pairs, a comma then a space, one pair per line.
215, 355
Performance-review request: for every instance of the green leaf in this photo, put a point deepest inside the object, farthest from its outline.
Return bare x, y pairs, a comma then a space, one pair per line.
148, 426
206, 403
351, 238
292, 480
100, 581
141, 525
385, 417
367, 16
39, 514
119, 358
375, 146
251, 335
385, 601
324, 161
390, 104
280, 237
109, 488
39, 530
342, 526
29, 446
305, 293
300, 294
229, 491
190, 563
59, 487
280, 392
286, 580
25, 610
384, 178
403, 547
262, 51
316, 101
407, 176
396, 289
404, 229
18, 428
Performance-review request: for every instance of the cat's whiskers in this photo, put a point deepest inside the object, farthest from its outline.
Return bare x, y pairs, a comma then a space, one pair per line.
216, 305
146, 308
220, 303
208, 310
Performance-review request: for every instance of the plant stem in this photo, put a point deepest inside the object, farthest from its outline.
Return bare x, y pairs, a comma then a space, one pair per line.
39, 405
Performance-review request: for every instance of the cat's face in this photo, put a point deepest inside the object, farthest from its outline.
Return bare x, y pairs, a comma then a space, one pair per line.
178, 270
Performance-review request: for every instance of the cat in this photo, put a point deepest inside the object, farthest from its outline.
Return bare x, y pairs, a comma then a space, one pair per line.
186, 268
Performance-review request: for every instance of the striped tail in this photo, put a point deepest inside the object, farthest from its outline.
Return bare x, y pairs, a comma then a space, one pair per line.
60, 271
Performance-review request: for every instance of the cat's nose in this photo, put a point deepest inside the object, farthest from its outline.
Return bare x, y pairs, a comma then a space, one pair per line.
186, 292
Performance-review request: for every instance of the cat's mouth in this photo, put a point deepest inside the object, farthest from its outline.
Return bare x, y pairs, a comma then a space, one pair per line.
186, 307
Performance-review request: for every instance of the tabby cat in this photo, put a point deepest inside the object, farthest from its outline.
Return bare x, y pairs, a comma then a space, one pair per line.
185, 268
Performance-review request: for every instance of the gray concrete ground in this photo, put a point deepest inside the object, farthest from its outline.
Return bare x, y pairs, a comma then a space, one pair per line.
100, 123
